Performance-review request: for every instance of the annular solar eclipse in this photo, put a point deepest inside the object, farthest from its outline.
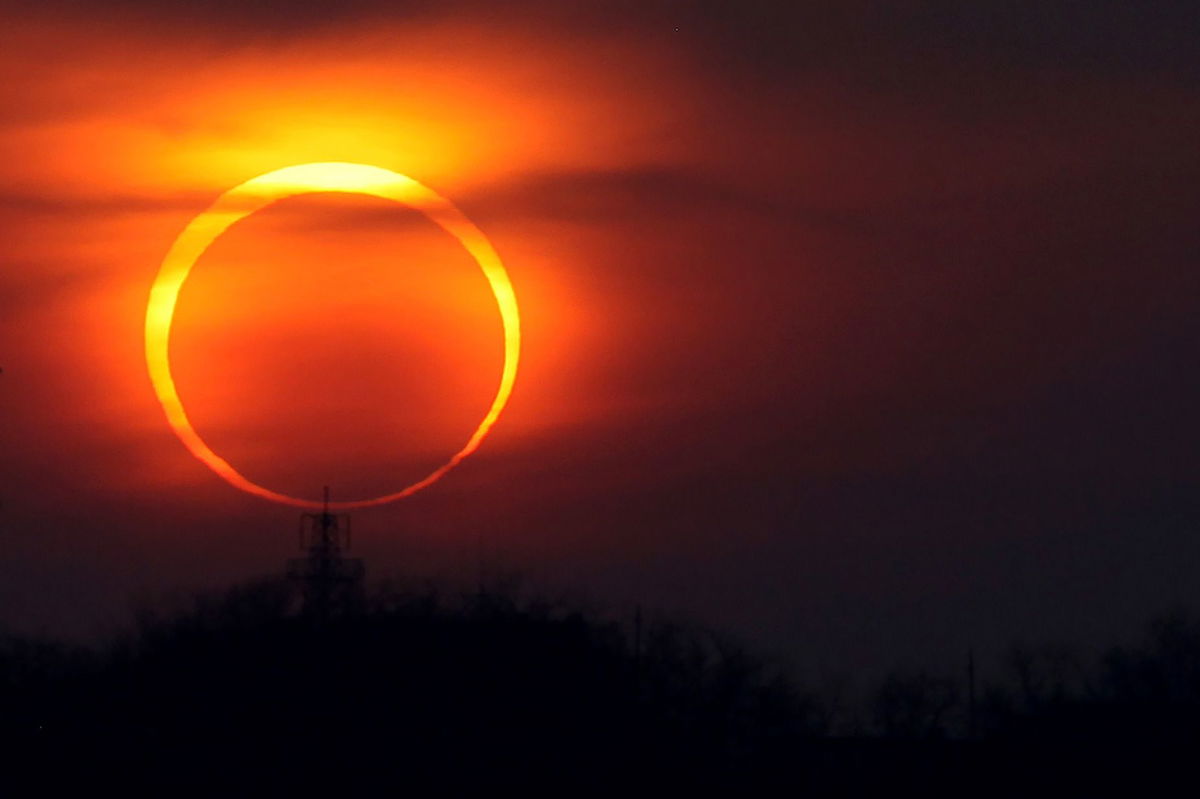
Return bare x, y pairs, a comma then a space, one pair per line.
256, 194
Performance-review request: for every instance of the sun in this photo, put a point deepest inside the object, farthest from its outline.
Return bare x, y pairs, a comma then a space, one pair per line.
254, 195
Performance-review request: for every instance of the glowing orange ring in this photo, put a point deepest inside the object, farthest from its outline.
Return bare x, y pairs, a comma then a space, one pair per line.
255, 194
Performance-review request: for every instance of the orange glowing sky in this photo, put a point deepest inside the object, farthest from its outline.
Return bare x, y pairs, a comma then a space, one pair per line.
284, 334
834, 316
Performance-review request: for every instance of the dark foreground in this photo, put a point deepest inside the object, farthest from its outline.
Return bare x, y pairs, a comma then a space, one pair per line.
242, 694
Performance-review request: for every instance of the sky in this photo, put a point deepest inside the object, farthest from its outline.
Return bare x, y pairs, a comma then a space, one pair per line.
866, 334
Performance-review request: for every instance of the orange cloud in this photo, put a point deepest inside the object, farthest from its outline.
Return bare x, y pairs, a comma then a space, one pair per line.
314, 341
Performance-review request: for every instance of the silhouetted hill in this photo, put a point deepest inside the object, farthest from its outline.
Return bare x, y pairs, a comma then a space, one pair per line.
482, 691
240, 693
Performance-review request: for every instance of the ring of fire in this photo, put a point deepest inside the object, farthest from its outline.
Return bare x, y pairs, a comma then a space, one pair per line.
254, 195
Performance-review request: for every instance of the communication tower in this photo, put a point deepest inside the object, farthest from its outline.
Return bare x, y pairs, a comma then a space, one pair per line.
330, 583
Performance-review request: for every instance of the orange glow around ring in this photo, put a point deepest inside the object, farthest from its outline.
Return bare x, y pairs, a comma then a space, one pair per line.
257, 193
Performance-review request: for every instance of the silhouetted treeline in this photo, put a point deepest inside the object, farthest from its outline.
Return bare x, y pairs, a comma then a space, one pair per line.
417, 688
465, 692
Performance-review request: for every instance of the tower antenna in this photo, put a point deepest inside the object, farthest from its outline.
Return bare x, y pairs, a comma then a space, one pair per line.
330, 583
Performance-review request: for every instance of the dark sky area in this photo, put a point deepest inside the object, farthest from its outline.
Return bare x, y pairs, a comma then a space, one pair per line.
867, 334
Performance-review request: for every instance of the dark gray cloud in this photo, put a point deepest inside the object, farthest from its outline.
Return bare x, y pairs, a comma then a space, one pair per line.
773, 36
